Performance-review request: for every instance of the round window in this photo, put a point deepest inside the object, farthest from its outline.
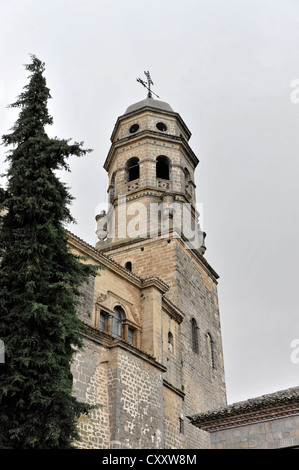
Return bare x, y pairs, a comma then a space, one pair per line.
161, 126
134, 128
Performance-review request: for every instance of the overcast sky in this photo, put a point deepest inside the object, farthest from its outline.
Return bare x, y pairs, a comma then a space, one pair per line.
227, 67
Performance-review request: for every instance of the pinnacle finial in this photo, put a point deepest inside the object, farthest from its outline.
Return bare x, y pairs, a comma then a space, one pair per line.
148, 84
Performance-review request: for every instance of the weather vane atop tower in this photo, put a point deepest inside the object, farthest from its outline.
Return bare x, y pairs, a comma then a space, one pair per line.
148, 84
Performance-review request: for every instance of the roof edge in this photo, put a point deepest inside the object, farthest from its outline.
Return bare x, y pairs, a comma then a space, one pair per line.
267, 407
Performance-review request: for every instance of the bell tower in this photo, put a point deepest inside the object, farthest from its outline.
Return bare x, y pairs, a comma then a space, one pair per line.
151, 229
151, 170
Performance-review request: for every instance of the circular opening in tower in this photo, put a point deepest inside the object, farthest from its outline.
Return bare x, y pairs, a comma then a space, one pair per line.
134, 128
161, 126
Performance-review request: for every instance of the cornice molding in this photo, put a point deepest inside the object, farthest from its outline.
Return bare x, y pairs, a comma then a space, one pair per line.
172, 310
144, 109
108, 341
103, 260
193, 253
174, 389
152, 191
154, 137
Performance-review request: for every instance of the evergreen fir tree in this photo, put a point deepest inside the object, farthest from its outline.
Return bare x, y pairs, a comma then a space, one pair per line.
40, 282
2, 196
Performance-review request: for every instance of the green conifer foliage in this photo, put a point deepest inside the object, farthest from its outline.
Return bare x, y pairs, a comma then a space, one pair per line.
2, 195
40, 282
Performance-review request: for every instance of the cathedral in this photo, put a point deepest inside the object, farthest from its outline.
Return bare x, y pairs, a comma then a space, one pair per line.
152, 361
153, 350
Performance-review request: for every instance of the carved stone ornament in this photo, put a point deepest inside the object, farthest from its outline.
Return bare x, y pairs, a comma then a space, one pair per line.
135, 314
101, 298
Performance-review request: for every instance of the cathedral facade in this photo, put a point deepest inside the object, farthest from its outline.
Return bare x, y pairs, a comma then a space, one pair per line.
153, 349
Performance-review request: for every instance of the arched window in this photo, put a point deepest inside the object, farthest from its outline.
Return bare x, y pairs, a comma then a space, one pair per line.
117, 320
211, 353
187, 177
128, 265
112, 188
132, 168
170, 341
163, 167
194, 332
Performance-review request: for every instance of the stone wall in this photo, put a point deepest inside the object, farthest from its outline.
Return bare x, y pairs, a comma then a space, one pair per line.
203, 380
172, 353
193, 289
146, 257
148, 392
148, 121
86, 301
272, 434
147, 150
139, 408
174, 412
91, 379
128, 393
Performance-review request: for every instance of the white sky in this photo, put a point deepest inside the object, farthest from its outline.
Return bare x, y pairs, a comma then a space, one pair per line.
226, 66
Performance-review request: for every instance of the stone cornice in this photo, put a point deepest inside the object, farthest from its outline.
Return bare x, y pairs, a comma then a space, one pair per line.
96, 255
174, 389
154, 137
88, 250
155, 110
108, 341
172, 310
100, 337
194, 253
268, 407
208, 268
153, 191
139, 353
156, 282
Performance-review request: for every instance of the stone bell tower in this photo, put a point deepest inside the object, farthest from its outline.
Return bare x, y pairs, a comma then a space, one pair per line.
151, 170
151, 229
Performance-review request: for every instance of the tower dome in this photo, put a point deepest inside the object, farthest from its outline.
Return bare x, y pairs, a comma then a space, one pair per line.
149, 103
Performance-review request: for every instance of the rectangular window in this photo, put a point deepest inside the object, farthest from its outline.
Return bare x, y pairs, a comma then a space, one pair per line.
195, 346
130, 336
181, 425
102, 322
